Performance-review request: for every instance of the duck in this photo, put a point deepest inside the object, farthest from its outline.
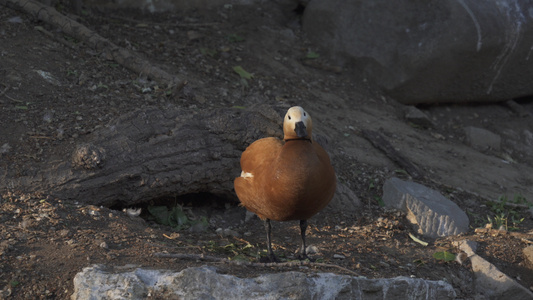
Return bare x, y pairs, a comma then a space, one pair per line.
286, 180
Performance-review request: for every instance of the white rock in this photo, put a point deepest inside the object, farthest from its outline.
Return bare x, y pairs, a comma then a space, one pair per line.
528, 254
312, 249
101, 282
491, 282
432, 213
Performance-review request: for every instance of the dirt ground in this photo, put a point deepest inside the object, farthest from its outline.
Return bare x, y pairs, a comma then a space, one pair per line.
52, 96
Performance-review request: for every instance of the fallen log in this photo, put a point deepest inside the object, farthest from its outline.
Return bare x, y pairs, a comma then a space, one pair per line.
152, 153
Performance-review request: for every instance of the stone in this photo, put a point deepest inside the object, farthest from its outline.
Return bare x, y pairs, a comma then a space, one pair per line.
433, 214
528, 254
418, 117
491, 283
482, 139
102, 282
5, 148
429, 51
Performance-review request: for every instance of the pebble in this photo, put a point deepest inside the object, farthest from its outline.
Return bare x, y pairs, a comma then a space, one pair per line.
249, 216
312, 249
338, 256
5, 148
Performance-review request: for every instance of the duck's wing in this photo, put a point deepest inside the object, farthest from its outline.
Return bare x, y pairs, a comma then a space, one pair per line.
255, 162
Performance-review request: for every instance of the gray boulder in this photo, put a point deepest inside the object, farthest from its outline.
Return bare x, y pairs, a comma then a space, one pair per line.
432, 213
482, 139
418, 117
101, 282
431, 51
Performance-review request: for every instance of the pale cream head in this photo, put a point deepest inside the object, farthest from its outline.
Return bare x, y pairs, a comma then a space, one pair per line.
291, 128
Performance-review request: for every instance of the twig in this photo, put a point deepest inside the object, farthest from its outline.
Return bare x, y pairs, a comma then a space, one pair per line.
526, 241
414, 238
3, 93
5, 90
241, 240
210, 258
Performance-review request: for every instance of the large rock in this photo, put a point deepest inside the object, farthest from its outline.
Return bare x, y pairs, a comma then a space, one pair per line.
99, 282
431, 51
433, 214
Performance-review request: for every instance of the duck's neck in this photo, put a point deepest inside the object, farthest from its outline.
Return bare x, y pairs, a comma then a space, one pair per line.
299, 139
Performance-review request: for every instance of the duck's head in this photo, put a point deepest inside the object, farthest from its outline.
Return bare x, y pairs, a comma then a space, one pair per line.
297, 124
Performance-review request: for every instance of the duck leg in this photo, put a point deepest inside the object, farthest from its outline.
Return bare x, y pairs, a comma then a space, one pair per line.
302, 254
268, 228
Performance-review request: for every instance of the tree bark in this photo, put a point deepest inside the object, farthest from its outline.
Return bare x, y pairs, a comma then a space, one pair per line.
122, 56
153, 153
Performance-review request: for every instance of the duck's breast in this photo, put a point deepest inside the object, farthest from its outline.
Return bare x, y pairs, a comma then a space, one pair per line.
304, 181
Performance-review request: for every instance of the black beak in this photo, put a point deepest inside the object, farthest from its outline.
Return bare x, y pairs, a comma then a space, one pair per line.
300, 129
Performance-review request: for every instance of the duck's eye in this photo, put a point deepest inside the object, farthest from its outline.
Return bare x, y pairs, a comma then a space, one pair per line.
289, 117
305, 114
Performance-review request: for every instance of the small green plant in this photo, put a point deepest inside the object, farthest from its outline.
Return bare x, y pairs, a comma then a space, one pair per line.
312, 55
176, 218
380, 201
419, 262
71, 72
235, 38
373, 184
506, 213
444, 256
208, 52
401, 171
234, 251
478, 220
242, 72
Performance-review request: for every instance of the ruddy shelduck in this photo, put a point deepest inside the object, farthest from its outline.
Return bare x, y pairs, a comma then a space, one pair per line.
286, 180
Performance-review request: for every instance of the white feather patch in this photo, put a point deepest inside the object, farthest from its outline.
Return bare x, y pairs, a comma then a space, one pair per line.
247, 175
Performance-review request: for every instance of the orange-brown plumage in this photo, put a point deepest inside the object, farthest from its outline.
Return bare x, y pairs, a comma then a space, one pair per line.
286, 180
